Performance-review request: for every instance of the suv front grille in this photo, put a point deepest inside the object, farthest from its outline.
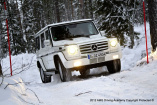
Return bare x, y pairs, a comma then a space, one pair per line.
93, 47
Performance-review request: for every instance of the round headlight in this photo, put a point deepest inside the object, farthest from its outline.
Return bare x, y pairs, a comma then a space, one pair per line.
72, 50
113, 43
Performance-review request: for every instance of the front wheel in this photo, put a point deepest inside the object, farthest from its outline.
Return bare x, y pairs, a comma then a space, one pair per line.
65, 74
44, 78
114, 66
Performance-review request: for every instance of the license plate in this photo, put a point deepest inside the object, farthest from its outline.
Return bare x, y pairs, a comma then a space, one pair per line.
96, 55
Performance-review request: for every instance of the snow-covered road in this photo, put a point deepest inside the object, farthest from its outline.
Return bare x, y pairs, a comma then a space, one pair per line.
126, 88
130, 87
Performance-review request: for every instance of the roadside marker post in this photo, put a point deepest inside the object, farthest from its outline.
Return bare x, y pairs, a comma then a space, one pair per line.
5, 7
145, 30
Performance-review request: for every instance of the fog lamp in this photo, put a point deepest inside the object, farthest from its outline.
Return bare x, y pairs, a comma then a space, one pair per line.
77, 63
115, 56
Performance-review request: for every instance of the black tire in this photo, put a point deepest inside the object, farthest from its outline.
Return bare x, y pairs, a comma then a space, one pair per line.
114, 66
84, 72
65, 74
44, 78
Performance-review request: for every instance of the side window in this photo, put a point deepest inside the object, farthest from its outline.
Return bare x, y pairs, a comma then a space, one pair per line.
42, 40
47, 35
37, 43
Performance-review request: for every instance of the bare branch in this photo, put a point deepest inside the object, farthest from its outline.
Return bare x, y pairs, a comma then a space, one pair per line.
27, 68
8, 67
118, 8
25, 101
8, 75
17, 83
35, 95
83, 93
22, 63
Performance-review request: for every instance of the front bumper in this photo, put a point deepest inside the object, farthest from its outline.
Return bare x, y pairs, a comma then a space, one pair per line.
85, 62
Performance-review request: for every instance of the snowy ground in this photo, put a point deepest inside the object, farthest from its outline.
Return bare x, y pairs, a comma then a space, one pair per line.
135, 85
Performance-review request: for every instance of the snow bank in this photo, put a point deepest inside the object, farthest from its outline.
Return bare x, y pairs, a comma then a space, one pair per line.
23, 65
14, 90
130, 57
151, 58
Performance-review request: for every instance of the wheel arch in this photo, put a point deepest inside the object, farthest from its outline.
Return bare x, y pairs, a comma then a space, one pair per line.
40, 64
56, 57
59, 56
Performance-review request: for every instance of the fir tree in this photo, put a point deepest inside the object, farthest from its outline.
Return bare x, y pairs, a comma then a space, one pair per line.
116, 18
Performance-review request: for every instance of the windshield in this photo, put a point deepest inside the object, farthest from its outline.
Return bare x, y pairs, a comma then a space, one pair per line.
75, 30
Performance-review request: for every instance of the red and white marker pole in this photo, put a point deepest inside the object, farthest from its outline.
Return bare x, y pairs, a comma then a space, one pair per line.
145, 30
8, 36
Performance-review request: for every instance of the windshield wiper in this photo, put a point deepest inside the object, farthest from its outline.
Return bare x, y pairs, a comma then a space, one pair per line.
76, 36
68, 39
81, 36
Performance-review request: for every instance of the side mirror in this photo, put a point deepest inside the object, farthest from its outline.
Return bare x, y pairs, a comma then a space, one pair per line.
47, 43
102, 32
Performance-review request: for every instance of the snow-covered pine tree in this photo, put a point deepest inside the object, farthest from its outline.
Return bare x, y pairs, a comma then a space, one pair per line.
17, 42
64, 10
139, 12
57, 11
116, 18
47, 10
3, 30
18, 45
88, 9
33, 21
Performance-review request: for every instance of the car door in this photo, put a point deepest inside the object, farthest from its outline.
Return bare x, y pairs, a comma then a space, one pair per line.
47, 51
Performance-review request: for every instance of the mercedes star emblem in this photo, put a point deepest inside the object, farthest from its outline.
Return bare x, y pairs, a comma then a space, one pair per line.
94, 47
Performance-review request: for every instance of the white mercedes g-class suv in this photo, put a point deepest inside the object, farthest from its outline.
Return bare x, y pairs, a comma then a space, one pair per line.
75, 45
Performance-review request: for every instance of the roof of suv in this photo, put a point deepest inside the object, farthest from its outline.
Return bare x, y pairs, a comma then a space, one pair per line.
67, 22
73, 21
